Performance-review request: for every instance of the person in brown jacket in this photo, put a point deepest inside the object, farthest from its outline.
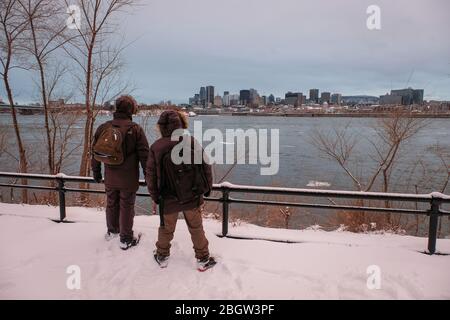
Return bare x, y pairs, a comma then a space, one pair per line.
122, 181
168, 122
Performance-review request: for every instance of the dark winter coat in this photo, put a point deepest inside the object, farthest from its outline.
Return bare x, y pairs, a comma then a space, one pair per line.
168, 122
125, 176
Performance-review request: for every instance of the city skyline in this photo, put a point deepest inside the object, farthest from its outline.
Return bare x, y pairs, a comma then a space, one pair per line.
288, 45
404, 96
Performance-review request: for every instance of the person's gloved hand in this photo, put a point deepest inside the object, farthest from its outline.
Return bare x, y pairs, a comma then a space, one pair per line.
98, 177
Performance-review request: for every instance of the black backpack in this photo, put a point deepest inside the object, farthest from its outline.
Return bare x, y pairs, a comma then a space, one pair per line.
186, 181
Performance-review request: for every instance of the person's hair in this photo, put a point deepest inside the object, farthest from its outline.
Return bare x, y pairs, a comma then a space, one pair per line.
183, 118
127, 104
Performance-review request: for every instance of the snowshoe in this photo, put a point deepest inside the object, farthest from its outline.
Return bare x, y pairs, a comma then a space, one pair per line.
125, 245
205, 264
110, 235
162, 261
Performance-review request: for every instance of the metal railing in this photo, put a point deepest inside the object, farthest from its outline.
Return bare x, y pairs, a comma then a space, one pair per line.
434, 199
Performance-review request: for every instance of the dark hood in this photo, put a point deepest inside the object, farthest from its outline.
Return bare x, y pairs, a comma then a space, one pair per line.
122, 115
168, 122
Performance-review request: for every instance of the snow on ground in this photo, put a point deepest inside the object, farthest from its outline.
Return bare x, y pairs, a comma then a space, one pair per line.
35, 253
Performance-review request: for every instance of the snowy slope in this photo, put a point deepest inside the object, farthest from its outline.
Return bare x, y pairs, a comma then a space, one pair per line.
35, 253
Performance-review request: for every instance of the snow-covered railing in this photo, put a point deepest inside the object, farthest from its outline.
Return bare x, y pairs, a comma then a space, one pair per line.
434, 199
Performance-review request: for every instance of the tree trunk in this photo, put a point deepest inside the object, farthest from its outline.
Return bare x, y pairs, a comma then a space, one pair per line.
50, 155
84, 166
23, 164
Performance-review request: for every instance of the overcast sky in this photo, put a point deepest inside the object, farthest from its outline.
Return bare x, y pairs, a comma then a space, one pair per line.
276, 46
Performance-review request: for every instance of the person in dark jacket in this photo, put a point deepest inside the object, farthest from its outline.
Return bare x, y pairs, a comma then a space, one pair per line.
168, 122
122, 181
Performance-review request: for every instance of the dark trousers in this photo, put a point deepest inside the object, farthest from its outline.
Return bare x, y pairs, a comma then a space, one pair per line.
120, 212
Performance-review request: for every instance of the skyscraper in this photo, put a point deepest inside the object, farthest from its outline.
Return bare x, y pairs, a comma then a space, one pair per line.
244, 97
209, 95
202, 96
254, 97
314, 95
226, 98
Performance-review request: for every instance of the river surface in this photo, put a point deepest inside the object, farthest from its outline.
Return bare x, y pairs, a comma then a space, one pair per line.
301, 164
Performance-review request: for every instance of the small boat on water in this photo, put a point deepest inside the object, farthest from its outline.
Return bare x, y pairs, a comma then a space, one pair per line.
192, 114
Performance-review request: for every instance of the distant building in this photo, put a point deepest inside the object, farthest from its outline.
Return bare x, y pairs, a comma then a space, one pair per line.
226, 98
336, 98
195, 100
409, 96
360, 100
390, 99
209, 95
56, 103
271, 99
218, 101
314, 95
263, 100
325, 97
244, 97
234, 99
202, 96
254, 97
294, 98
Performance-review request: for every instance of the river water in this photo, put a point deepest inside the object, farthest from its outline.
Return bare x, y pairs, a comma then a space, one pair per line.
301, 164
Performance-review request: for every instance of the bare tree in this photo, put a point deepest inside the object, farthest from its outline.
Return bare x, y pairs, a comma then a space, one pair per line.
392, 132
96, 60
12, 28
45, 34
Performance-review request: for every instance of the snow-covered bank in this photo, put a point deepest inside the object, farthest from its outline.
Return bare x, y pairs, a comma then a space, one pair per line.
36, 252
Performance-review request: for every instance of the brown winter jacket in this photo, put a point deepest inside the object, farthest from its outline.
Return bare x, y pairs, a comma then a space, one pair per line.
169, 122
125, 176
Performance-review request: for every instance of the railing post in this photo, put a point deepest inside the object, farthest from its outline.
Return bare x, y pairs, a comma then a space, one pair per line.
225, 205
62, 199
432, 231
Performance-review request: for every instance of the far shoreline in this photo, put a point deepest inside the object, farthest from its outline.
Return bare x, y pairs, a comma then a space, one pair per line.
324, 115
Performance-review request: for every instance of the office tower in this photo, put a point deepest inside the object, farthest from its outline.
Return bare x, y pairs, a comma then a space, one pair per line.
314, 95
293, 98
202, 96
325, 97
244, 97
264, 100
336, 98
209, 95
409, 96
254, 97
218, 101
271, 99
226, 98
234, 99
